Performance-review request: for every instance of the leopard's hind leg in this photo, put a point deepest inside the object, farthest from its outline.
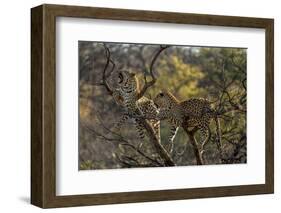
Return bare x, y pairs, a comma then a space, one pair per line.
204, 135
204, 130
171, 137
140, 129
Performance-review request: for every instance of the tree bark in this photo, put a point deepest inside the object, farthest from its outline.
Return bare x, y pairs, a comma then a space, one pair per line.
168, 161
196, 149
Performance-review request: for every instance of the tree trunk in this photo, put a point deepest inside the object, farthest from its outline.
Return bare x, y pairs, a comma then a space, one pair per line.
196, 149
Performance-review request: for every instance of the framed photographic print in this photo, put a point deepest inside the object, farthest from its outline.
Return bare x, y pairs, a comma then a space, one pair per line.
136, 106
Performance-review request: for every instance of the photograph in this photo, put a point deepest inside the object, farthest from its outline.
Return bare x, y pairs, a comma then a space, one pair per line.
158, 105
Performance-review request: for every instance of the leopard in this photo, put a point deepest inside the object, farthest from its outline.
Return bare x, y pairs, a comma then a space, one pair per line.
126, 95
191, 113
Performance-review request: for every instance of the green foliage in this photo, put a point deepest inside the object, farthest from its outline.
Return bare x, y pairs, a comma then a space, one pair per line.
181, 79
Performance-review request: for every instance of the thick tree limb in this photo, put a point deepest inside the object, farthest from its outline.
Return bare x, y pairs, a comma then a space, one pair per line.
196, 148
168, 161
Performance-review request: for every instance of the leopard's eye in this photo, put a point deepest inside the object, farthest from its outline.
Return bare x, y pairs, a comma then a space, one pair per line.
161, 94
120, 78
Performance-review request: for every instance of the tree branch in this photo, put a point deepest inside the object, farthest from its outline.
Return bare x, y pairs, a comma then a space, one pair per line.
120, 139
152, 82
195, 145
168, 161
104, 76
154, 161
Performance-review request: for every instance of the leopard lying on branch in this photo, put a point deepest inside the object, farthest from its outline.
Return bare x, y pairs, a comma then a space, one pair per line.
195, 112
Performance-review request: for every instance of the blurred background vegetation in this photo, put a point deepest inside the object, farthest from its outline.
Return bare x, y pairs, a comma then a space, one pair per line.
218, 74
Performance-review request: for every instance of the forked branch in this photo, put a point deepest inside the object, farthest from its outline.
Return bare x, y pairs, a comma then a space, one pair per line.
168, 161
148, 84
104, 75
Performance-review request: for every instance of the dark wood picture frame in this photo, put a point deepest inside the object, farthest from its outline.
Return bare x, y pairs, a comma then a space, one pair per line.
43, 105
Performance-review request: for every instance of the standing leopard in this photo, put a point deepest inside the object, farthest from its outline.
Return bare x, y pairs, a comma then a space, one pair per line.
126, 95
195, 112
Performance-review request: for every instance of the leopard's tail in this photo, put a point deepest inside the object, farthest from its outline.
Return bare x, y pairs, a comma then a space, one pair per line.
215, 116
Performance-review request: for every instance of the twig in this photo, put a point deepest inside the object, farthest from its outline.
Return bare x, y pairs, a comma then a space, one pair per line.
156, 162
106, 138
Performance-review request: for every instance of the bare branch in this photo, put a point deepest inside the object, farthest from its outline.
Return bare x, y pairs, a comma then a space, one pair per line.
154, 161
152, 82
123, 142
131, 162
100, 135
125, 162
104, 76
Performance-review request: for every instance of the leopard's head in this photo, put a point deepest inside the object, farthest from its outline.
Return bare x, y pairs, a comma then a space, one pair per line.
164, 99
127, 80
